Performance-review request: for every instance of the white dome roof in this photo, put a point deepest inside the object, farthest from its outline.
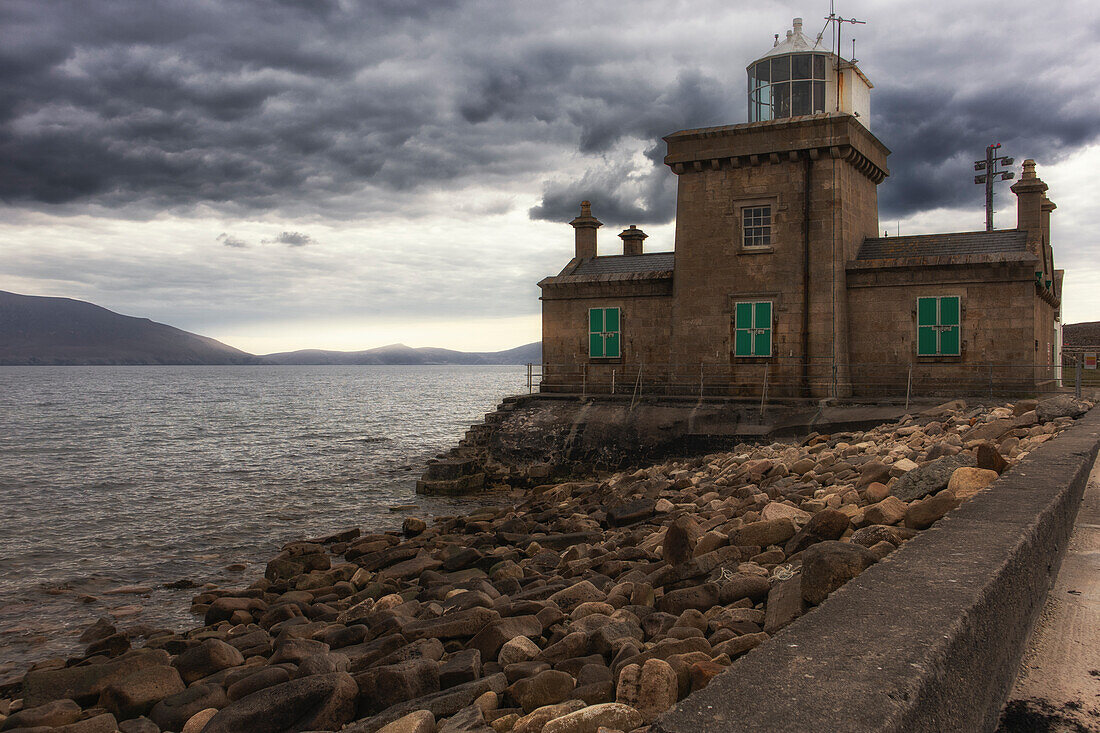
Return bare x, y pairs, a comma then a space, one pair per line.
795, 42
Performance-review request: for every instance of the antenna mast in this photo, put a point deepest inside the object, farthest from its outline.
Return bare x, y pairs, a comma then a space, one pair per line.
837, 23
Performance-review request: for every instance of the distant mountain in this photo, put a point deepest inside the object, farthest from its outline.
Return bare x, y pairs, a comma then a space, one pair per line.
1081, 334
60, 331
401, 354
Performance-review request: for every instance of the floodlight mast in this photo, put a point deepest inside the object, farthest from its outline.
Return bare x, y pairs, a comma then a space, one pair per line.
989, 165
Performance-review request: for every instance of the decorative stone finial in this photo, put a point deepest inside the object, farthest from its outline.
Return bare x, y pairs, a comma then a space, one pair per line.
586, 208
797, 25
1029, 169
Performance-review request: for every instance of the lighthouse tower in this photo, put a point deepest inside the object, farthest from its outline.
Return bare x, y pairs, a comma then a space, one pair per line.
769, 212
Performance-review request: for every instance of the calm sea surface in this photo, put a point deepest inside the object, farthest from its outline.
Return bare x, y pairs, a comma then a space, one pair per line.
137, 476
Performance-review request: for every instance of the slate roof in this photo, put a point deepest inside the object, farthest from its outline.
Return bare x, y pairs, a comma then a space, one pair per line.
944, 245
623, 264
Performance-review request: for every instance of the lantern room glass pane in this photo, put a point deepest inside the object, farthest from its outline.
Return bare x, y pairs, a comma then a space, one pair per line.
819, 66
819, 96
800, 66
763, 71
781, 100
800, 98
781, 68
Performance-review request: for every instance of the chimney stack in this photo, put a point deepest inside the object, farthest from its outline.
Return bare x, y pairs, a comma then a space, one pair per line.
1030, 191
632, 240
585, 227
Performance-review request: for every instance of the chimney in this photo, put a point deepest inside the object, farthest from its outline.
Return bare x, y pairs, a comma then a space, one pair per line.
585, 227
1029, 192
632, 240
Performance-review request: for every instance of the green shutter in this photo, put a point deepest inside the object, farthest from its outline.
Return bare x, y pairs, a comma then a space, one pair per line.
603, 333
752, 329
938, 326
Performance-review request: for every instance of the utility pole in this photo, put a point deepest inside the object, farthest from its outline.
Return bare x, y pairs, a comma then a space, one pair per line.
989, 165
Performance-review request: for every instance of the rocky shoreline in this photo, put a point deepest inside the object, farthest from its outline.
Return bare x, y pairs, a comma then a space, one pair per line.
585, 605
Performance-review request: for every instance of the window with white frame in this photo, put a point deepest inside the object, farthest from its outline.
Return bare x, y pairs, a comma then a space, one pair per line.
756, 226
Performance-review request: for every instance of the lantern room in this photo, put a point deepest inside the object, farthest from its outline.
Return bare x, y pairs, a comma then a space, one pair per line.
801, 77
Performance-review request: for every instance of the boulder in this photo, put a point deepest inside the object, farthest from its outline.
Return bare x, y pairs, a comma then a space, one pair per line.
966, 482
988, 457
380, 687
85, 683
611, 715
212, 655
173, 712
922, 514
763, 533
779, 510
828, 524
828, 565
105, 723
574, 595
1053, 408
263, 677
462, 667
545, 688
468, 720
873, 472
422, 721
876, 533
440, 704
517, 649
50, 715
929, 479
784, 605
451, 625
701, 597
138, 725
890, 510
534, 721
199, 720
496, 634
136, 694
679, 542
320, 702
650, 689
630, 512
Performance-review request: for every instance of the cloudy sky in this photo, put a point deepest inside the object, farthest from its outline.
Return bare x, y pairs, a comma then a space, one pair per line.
284, 174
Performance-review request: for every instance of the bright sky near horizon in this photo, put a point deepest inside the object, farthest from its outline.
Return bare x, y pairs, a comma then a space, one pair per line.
284, 174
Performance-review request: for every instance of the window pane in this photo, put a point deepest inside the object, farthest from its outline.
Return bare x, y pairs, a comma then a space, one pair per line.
800, 66
781, 68
800, 98
743, 315
819, 96
819, 66
781, 100
762, 71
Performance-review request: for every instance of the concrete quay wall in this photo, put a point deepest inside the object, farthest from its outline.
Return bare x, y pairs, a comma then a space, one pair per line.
929, 639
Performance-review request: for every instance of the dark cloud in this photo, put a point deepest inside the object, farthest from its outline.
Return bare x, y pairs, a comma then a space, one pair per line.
343, 107
230, 241
291, 239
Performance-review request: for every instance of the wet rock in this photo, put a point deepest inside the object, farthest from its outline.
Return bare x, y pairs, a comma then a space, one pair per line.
929, 478
612, 715
173, 712
222, 609
828, 565
101, 629
545, 688
320, 702
52, 714
212, 655
137, 693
